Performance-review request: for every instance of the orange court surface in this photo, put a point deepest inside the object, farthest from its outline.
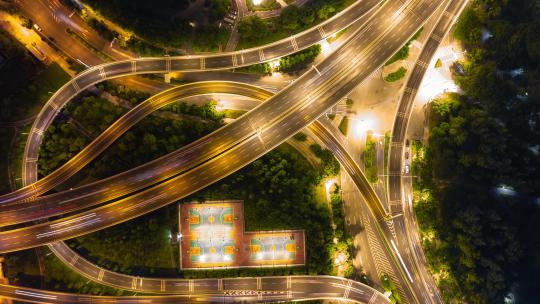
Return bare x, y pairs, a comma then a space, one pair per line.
213, 236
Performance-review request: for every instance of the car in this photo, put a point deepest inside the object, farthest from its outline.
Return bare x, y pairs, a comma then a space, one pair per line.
37, 28
406, 170
406, 143
406, 154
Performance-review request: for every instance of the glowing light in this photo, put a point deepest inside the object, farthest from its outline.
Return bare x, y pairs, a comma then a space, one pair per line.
340, 259
326, 47
437, 80
274, 64
329, 185
362, 126
256, 2
222, 105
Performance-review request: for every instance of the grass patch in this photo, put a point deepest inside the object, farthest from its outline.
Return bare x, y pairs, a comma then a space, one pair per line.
300, 136
397, 75
344, 125
387, 142
369, 158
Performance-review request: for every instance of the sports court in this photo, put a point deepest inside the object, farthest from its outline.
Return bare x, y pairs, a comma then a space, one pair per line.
213, 236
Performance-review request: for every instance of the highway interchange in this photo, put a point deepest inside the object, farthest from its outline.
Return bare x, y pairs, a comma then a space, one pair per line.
262, 129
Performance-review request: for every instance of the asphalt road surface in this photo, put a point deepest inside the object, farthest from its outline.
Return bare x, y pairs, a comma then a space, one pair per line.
328, 79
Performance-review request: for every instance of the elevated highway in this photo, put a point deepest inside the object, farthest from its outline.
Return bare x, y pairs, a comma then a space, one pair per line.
359, 11
262, 139
234, 290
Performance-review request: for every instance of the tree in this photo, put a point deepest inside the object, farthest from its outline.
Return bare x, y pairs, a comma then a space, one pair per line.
252, 28
308, 16
325, 11
290, 16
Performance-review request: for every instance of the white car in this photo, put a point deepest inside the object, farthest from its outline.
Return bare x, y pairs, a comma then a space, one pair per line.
37, 28
406, 169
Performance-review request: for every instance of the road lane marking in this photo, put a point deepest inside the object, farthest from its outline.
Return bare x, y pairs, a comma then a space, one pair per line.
74, 259
202, 63
100, 275
162, 285
102, 73
133, 66
347, 290
321, 31
293, 43
261, 54
75, 85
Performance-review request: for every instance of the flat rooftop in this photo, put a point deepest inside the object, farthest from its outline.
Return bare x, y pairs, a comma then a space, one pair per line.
213, 236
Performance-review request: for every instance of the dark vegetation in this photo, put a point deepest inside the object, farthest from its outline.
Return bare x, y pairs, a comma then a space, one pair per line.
369, 157
300, 60
161, 23
293, 19
149, 139
482, 242
25, 82
396, 75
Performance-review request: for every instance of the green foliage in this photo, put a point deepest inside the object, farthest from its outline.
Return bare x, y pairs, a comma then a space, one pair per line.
300, 59
482, 245
300, 136
252, 28
293, 19
344, 125
134, 97
290, 17
259, 68
388, 285
468, 27
143, 48
210, 39
369, 157
217, 9
329, 162
206, 111
278, 193
337, 214
140, 246
160, 23
149, 139
395, 76
102, 29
